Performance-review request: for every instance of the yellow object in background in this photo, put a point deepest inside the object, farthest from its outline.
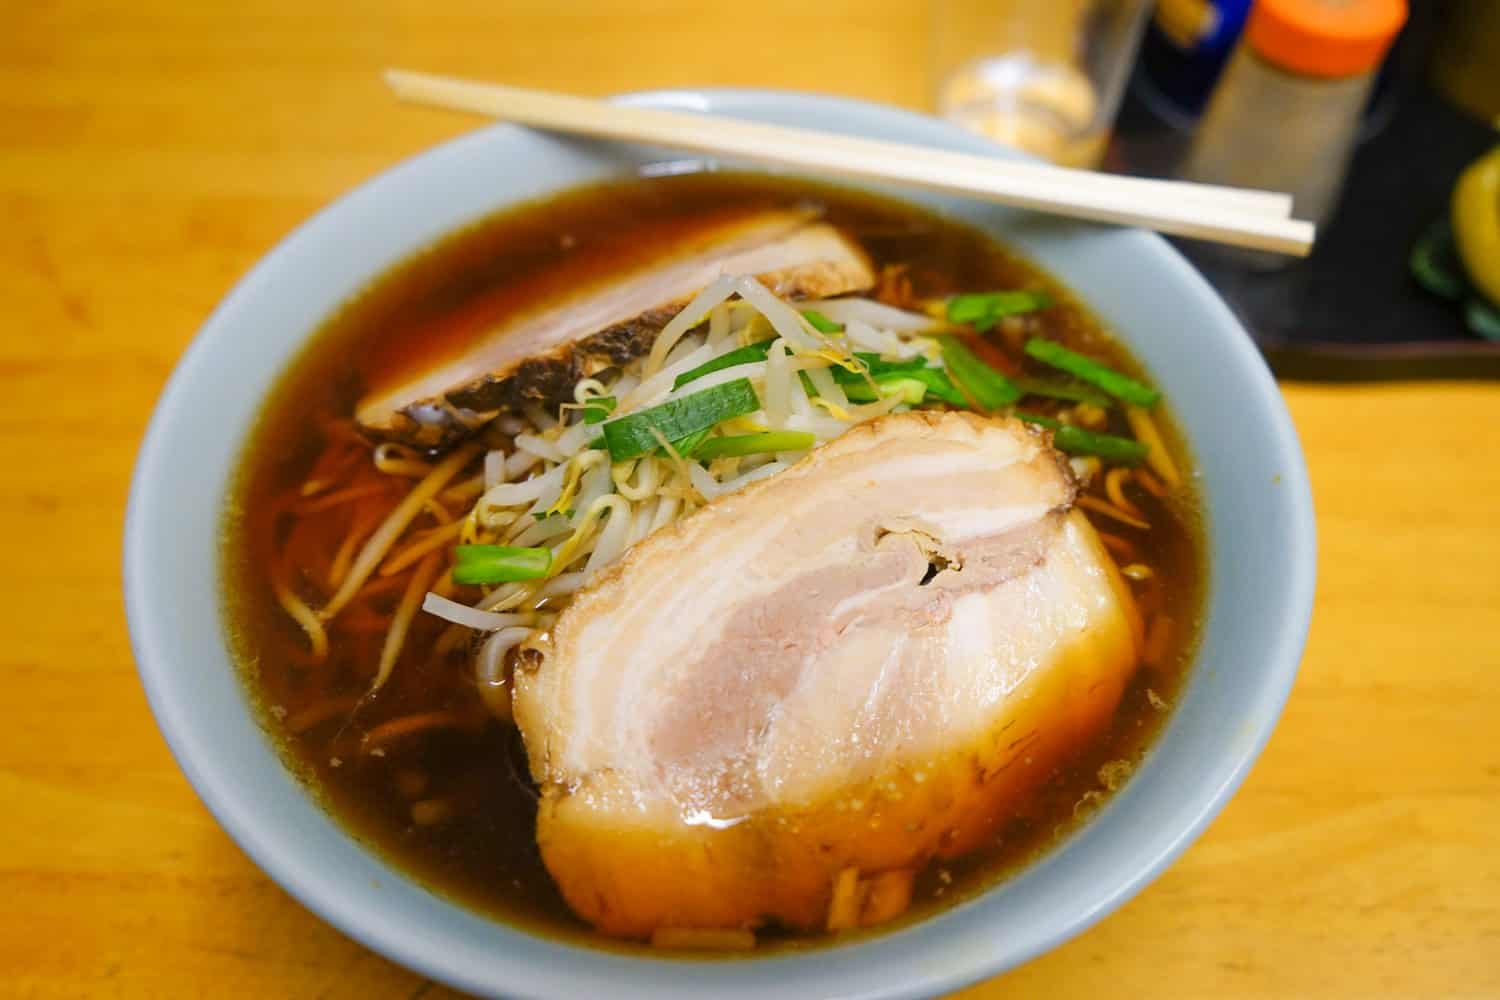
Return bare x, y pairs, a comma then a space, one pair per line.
1476, 222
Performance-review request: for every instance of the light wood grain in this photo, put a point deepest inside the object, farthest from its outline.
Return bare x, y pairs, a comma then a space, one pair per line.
151, 151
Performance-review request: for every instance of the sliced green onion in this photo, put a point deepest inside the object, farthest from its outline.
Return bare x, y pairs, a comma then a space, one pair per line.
688, 446
940, 385
597, 409
630, 436
755, 444
985, 309
1120, 386
936, 380
903, 385
905, 388
1061, 388
876, 365
740, 356
912, 387
865, 392
499, 564
1077, 441
820, 322
990, 389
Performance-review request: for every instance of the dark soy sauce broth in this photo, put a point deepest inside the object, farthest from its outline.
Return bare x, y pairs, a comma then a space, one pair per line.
483, 853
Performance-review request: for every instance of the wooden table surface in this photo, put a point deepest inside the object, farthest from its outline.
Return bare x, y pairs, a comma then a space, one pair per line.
150, 151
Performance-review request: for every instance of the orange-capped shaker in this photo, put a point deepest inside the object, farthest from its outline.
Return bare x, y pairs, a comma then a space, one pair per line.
1285, 115
1328, 38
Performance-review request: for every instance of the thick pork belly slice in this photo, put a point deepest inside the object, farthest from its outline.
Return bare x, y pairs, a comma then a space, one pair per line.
862, 662
499, 358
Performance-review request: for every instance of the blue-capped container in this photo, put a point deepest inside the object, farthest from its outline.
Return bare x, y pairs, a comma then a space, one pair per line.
1185, 50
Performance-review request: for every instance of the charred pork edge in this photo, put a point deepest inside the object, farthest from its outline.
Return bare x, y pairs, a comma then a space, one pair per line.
548, 379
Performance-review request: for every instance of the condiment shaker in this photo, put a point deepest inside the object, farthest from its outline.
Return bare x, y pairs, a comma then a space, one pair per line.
1286, 113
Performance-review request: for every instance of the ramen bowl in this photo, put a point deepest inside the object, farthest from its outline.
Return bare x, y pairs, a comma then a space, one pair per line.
1258, 592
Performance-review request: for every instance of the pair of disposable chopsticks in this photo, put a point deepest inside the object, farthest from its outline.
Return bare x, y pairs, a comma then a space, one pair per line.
1237, 216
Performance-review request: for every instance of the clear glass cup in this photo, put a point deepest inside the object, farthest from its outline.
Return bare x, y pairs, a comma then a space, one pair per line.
1045, 76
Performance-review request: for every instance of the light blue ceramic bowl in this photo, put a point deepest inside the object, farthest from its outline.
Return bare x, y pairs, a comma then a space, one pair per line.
1259, 598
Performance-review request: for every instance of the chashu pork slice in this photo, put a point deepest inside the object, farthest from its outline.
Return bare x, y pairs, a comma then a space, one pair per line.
537, 354
862, 662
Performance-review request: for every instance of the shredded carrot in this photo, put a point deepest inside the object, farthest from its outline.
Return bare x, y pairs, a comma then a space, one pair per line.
1114, 486
425, 543
1110, 510
1150, 483
346, 495
408, 725
334, 465
362, 620
320, 712
380, 586
365, 521
394, 526
1123, 548
992, 355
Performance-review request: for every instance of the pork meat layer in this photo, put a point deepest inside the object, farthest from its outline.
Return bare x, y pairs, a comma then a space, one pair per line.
864, 661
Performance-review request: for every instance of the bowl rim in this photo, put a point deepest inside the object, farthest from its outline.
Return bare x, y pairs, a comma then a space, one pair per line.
277, 855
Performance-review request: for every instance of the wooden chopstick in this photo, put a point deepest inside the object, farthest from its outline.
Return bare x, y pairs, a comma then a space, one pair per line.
573, 114
1240, 217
